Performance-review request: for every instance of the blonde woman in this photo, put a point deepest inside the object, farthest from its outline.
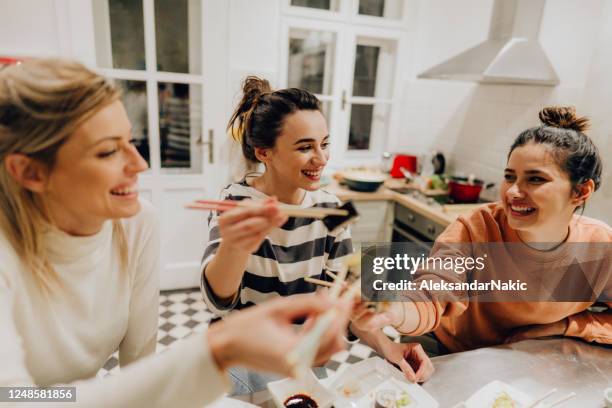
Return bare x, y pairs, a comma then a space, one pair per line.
79, 257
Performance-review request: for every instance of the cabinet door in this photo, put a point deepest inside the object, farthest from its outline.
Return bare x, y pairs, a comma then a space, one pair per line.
374, 223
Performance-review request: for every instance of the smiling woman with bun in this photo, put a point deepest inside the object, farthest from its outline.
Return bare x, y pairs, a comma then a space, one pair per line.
254, 255
551, 172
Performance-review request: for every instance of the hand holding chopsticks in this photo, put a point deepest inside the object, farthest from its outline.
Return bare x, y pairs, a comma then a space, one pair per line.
333, 218
245, 228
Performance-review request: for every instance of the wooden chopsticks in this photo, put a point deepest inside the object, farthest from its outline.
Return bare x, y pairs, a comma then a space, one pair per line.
319, 282
289, 210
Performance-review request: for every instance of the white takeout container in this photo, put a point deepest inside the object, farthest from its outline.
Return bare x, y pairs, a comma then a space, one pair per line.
484, 397
368, 377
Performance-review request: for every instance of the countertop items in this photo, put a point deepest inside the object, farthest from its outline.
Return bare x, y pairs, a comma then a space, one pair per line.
534, 367
420, 203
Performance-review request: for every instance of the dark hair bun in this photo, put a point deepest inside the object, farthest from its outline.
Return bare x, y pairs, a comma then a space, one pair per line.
254, 86
564, 117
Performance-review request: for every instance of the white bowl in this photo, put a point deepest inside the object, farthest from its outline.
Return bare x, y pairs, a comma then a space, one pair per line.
365, 176
283, 389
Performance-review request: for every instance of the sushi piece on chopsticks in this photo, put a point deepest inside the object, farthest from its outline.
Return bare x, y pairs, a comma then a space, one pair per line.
333, 218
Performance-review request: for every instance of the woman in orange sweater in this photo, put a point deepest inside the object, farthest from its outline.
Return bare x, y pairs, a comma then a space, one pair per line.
551, 172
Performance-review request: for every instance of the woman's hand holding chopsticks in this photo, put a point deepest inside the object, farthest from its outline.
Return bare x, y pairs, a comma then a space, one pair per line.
243, 229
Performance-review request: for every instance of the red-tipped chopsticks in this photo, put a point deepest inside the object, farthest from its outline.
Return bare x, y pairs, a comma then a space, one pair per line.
289, 210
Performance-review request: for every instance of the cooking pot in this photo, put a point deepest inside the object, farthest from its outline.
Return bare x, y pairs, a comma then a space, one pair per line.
466, 190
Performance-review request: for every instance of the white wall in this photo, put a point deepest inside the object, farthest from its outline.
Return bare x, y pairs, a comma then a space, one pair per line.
29, 28
475, 124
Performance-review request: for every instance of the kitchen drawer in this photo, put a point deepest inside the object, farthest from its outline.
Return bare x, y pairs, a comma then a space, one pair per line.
423, 225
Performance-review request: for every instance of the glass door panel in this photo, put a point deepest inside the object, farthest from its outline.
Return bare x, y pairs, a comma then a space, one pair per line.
311, 60
366, 65
367, 122
134, 98
372, 87
391, 9
119, 34
178, 34
180, 127
331, 5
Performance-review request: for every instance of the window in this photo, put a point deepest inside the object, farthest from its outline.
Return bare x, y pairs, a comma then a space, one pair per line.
331, 5
390, 9
374, 61
349, 63
311, 60
154, 54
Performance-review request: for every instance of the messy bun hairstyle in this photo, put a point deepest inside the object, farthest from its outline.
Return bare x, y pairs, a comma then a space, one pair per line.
574, 152
258, 119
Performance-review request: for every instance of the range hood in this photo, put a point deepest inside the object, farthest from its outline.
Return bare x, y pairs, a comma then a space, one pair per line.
510, 55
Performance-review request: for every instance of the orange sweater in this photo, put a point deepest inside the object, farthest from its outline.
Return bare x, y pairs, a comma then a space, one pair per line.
463, 325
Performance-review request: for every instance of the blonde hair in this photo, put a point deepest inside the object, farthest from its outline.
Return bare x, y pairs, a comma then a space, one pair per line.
42, 102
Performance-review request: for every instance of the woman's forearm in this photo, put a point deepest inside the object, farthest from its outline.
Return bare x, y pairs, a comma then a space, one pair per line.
224, 273
405, 317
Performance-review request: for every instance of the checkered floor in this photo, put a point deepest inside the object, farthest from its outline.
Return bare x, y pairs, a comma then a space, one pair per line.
183, 312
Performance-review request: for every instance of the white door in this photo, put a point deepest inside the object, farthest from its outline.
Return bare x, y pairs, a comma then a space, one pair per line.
169, 59
345, 51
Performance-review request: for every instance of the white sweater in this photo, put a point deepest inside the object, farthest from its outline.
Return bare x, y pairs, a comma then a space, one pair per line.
66, 338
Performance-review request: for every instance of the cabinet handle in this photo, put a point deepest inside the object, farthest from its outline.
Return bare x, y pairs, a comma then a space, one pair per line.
431, 229
411, 217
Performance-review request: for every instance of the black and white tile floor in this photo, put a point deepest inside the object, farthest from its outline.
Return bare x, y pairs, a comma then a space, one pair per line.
184, 312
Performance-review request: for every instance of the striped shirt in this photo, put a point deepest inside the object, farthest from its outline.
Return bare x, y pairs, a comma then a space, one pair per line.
299, 248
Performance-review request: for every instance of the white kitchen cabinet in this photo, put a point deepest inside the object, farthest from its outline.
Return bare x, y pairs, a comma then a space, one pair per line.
375, 223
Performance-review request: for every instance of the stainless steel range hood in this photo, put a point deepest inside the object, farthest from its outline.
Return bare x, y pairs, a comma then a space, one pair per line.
510, 55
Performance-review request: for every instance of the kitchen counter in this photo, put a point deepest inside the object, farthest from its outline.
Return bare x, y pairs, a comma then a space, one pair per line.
438, 215
532, 366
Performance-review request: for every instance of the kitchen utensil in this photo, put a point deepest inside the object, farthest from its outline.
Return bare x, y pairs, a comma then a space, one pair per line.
333, 218
407, 174
439, 163
403, 160
562, 400
364, 181
386, 163
542, 398
318, 282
